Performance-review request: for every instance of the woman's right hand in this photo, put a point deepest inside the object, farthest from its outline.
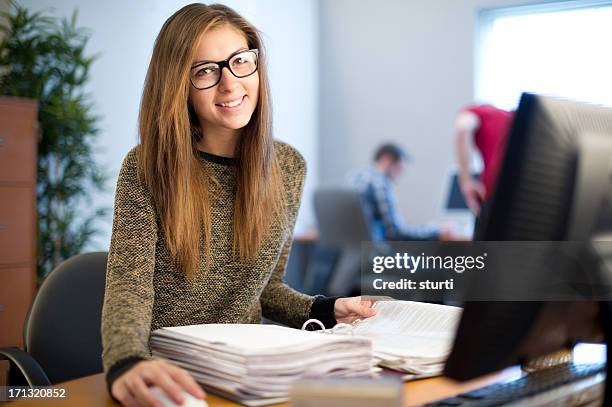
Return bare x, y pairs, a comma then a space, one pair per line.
132, 388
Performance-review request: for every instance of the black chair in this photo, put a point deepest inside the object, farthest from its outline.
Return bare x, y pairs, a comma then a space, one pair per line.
343, 224
62, 328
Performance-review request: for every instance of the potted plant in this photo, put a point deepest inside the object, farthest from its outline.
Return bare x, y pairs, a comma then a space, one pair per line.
44, 58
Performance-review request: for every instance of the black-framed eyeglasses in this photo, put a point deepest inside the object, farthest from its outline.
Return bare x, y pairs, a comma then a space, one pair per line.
207, 74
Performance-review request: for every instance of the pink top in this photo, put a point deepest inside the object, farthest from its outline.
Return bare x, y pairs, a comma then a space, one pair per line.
490, 139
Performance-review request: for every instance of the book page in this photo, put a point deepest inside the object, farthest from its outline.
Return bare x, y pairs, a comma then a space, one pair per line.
411, 329
253, 339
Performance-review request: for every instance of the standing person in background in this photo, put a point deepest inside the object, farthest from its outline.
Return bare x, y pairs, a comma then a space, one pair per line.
487, 128
205, 206
375, 185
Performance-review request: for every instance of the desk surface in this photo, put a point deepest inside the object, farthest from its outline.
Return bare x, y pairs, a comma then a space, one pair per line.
91, 391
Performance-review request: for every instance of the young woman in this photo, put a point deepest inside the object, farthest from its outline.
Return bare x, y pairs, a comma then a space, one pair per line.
205, 205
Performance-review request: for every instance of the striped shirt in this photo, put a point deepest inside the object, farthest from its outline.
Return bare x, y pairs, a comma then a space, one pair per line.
386, 222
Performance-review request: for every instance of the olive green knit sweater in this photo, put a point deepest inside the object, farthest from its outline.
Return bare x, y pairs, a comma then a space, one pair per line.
146, 290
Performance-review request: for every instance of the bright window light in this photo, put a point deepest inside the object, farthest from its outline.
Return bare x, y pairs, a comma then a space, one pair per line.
561, 49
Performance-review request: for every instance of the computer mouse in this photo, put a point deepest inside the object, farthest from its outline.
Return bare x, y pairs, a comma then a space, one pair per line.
190, 401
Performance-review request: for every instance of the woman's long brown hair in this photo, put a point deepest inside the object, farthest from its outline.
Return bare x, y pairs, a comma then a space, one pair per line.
169, 132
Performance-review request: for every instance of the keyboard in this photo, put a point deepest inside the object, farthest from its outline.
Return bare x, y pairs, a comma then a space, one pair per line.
567, 384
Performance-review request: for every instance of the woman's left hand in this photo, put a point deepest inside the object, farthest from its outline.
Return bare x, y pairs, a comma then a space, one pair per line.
347, 310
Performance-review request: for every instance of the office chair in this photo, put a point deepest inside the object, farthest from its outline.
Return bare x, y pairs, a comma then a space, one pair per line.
343, 225
62, 328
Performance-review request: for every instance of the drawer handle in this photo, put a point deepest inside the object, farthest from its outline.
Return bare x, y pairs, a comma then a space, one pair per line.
1, 141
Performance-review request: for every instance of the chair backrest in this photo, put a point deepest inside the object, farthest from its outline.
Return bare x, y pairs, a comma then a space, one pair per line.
341, 217
62, 329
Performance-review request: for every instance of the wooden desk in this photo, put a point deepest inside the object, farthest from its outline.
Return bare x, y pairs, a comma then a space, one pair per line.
91, 391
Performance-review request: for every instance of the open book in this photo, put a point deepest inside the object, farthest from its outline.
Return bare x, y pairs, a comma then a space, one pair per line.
257, 364
412, 337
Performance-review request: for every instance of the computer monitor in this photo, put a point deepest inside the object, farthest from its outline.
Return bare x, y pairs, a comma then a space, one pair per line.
555, 184
455, 200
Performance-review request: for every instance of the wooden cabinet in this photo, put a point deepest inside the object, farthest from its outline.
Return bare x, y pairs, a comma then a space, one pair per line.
18, 141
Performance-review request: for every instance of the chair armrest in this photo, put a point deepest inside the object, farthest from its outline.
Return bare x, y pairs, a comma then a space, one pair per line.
29, 368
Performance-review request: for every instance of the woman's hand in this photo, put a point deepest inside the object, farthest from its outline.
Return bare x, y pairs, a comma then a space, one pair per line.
347, 310
132, 387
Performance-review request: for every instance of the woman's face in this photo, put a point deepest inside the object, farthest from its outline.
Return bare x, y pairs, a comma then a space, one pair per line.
229, 104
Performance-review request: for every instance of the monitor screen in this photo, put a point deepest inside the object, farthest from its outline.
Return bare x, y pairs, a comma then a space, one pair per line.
455, 197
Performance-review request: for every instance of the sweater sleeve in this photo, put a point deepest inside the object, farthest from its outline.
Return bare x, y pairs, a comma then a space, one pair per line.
279, 302
128, 297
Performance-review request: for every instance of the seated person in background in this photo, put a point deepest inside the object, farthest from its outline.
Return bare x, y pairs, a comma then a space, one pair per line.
485, 127
379, 198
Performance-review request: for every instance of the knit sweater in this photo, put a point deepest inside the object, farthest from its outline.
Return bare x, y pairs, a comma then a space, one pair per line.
146, 289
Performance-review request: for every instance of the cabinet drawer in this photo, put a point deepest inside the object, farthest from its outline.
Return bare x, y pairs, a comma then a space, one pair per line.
18, 140
17, 225
16, 292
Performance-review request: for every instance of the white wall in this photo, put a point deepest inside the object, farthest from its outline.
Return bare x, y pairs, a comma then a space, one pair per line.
290, 31
346, 75
396, 70
123, 32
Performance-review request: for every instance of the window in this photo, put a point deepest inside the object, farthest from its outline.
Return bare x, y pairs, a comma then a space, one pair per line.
560, 49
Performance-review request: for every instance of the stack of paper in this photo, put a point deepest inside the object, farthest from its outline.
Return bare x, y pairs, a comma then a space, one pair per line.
412, 337
256, 364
